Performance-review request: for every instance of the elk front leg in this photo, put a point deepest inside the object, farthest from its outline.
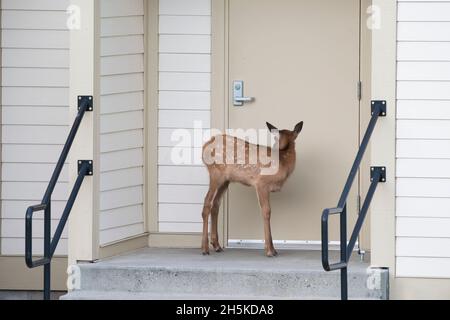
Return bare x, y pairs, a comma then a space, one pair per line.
264, 202
207, 207
214, 217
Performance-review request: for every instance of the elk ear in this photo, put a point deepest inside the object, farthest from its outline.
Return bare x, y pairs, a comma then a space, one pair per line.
271, 127
298, 128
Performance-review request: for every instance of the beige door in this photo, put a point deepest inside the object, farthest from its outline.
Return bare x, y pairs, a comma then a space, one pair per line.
300, 60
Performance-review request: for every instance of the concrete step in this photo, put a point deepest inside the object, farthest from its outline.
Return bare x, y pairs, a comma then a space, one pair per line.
182, 274
123, 295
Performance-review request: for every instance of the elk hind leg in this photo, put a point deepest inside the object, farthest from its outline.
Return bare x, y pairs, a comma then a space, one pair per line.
215, 217
207, 207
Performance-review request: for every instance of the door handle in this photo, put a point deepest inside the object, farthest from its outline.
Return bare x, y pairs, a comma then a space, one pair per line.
238, 94
244, 99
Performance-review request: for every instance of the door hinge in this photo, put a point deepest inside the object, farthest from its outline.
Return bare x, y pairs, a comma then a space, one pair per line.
359, 90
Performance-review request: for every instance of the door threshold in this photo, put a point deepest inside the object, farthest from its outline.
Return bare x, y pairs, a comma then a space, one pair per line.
310, 245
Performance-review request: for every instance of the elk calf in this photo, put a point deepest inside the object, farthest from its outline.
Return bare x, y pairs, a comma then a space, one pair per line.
243, 167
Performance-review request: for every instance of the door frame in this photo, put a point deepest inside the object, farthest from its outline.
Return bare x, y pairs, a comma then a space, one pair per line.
220, 96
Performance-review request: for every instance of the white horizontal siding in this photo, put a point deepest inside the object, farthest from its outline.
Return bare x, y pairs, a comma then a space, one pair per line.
423, 70
184, 24
122, 159
36, 77
175, 81
184, 119
427, 149
123, 45
180, 213
32, 191
35, 20
180, 227
180, 100
423, 139
423, 187
122, 64
423, 207
122, 26
29, 153
10, 246
121, 233
111, 8
120, 198
115, 218
182, 194
122, 120
183, 7
29, 58
419, 267
32, 172
184, 104
184, 175
178, 43
423, 227
423, 90
122, 83
59, 5
423, 129
424, 11
122, 102
423, 109
124, 140
425, 247
185, 63
12, 209
168, 156
424, 31
13, 228
423, 51
181, 137
26, 134
35, 39
35, 115
120, 179
423, 168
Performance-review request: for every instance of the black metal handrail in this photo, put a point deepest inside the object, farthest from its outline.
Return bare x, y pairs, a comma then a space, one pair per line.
377, 175
85, 168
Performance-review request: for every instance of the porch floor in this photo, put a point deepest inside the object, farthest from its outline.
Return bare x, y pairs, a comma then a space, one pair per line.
230, 259
233, 274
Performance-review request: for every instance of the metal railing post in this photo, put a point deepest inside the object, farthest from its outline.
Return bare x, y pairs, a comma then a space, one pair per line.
85, 168
47, 239
343, 240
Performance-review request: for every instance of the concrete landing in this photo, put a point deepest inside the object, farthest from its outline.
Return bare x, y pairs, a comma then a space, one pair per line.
182, 274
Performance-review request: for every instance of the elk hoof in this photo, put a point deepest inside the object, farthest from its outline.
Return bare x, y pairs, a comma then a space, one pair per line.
216, 246
272, 254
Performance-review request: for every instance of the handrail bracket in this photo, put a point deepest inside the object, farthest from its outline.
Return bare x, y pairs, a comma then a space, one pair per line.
379, 172
89, 100
89, 164
380, 105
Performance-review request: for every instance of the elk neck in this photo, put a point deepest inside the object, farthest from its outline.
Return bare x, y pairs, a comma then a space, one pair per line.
288, 158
